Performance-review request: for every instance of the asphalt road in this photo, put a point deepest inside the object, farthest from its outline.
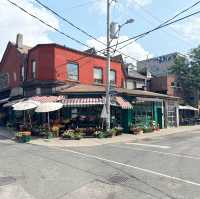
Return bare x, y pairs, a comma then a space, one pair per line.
165, 167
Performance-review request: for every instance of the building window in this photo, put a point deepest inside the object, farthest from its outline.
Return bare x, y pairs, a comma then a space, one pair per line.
72, 71
172, 84
98, 75
22, 74
34, 69
130, 84
112, 77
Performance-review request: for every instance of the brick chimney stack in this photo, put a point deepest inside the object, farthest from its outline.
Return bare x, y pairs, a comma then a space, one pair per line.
19, 40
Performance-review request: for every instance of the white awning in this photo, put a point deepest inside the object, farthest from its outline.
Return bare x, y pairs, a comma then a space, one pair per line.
188, 107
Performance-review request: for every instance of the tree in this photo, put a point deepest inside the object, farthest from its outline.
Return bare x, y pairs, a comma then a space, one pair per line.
188, 74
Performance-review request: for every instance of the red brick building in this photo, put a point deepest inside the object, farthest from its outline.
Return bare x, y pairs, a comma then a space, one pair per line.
12, 68
39, 70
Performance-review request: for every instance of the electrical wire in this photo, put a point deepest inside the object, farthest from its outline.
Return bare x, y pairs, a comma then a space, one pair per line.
176, 34
145, 33
52, 27
78, 28
165, 24
139, 36
82, 4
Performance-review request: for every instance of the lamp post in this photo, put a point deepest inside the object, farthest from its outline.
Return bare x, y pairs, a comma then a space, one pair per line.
111, 34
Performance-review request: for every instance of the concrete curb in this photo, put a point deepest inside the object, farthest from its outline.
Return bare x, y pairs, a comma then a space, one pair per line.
56, 142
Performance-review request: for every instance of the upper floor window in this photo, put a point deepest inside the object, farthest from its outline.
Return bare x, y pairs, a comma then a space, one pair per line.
34, 69
113, 77
22, 73
72, 71
98, 75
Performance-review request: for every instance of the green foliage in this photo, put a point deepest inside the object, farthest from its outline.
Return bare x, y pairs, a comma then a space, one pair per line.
188, 74
72, 135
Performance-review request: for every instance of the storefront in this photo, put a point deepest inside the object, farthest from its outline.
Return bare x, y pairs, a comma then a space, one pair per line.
147, 110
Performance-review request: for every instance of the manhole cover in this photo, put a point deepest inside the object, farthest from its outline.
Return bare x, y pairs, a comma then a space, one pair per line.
117, 179
7, 180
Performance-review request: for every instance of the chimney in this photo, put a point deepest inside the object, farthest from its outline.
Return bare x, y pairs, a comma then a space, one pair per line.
19, 41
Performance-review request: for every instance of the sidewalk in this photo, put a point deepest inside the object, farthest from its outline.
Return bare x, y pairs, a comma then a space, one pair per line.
7, 133
86, 142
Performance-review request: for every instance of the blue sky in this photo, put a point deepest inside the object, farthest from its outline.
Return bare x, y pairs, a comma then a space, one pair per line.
91, 16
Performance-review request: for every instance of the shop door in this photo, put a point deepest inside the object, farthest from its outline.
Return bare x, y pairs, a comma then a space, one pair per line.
159, 117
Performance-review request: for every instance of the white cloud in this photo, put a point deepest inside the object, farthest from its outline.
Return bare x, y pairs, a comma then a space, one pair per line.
134, 50
13, 21
190, 29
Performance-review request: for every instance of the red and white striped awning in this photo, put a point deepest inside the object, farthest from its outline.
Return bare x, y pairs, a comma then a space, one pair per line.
44, 99
124, 104
74, 102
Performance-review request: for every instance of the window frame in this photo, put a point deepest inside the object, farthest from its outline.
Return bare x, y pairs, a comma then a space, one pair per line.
22, 73
33, 73
67, 73
96, 80
113, 83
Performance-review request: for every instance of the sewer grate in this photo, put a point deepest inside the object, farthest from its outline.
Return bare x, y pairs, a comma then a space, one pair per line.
117, 179
7, 180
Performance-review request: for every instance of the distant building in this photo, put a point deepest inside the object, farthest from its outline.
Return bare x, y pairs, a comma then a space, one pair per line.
133, 79
158, 70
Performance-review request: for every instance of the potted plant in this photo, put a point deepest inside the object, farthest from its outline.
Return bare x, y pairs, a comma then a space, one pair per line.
147, 130
55, 131
68, 135
23, 137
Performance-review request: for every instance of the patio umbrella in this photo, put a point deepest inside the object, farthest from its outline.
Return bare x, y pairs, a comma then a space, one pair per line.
48, 107
24, 106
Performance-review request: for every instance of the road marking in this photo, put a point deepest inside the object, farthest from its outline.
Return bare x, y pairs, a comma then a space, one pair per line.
150, 145
131, 166
159, 152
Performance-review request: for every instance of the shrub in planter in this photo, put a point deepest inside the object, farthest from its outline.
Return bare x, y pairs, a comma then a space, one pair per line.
23, 137
69, 134
72, 135
55, 131
137, 130
147, 130
77, 135
98, 133
103, 134
108, 134
117, 131
113, 131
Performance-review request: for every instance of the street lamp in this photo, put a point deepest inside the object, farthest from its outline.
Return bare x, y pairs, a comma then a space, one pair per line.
112, 31
115, 28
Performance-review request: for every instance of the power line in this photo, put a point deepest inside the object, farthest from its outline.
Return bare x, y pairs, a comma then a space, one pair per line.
162, 24
52, 27
159, 20
82, 4
145, 33
137, 37
80, 29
